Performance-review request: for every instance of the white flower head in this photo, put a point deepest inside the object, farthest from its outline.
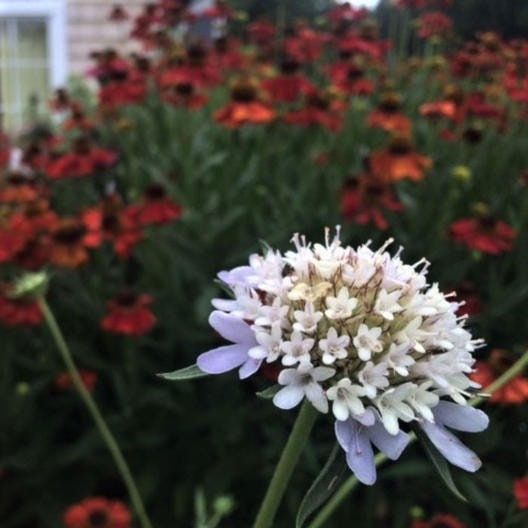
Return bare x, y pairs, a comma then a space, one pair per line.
357, 327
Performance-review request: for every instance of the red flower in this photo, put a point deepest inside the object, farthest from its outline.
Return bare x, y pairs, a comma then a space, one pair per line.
366, 200
520, 489
20, 189
18, 312
262, 32
440, 520
434, 23
98, 512
245, 108
306, 46
319, 110
129, 314
63, 381
486, 372
289, 86
14, 235
84, 160
155, 208
350, 79
111, 222
438, 109
484, 234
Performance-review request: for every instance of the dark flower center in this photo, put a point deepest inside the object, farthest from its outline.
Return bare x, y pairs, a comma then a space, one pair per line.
185, 88
317, 101
488, 223
69, 234
110, 222
400, 147
289, 66
243, 93
354, 73
126, 299
98, 519
155, 191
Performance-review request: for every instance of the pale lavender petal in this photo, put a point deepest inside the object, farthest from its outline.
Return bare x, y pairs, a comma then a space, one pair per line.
288, 397
367, 418
360, 457
232, 328
316, 395
451, 447
236, 276
249, 368
460, 417
343, 432
222, 359
226, 305
391, 445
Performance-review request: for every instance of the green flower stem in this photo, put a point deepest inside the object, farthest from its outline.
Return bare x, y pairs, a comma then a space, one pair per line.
288, 460
349, 485
87, 399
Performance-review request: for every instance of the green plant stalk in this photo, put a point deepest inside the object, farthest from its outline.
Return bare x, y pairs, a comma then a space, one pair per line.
288, 460
87, 399
351, 483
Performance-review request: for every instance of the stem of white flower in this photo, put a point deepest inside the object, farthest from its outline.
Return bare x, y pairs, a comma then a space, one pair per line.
97, 417
288, 460
342, 493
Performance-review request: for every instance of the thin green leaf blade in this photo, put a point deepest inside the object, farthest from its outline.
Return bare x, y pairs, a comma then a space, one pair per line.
184, 374
439, 463
326, 483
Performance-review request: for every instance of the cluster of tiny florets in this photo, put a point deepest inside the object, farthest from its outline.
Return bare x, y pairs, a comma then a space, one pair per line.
353, 328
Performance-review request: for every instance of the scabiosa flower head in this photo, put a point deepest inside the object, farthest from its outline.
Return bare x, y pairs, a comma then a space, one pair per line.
359, 332
98, 512
129, 314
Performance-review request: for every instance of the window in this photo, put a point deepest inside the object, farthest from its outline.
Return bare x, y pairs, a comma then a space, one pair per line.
32, 56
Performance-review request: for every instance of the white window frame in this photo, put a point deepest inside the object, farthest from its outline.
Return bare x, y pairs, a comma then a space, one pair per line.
54, 12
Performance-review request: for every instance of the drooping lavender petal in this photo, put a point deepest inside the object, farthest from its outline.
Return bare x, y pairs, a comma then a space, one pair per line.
367, 419
451, 447
249, 368
460, 417
236, 276
222, 359
225, 305
360, 457
391, 445
232, 328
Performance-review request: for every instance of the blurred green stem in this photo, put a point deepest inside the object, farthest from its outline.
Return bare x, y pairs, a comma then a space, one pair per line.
341, 494
288, 460
87, 399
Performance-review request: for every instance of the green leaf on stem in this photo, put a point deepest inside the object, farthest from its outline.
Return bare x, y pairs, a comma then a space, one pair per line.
439, 463
184, 374
326, 483
267, 394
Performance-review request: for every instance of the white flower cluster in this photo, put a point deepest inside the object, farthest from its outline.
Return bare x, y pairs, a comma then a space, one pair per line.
353, 328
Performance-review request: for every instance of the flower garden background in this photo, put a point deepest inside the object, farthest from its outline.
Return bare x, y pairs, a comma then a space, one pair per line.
132, 199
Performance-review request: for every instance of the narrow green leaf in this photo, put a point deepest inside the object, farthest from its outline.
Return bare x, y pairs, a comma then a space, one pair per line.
326, 483
439, 462
268, 393
184, 374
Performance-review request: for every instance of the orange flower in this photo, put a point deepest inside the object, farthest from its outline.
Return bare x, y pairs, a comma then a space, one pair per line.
514, 393
68, 249
440, 520
129, 314
245, 108
389, 118
399, 162
437, 109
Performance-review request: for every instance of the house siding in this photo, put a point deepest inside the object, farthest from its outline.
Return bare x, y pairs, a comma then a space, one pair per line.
89, 29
